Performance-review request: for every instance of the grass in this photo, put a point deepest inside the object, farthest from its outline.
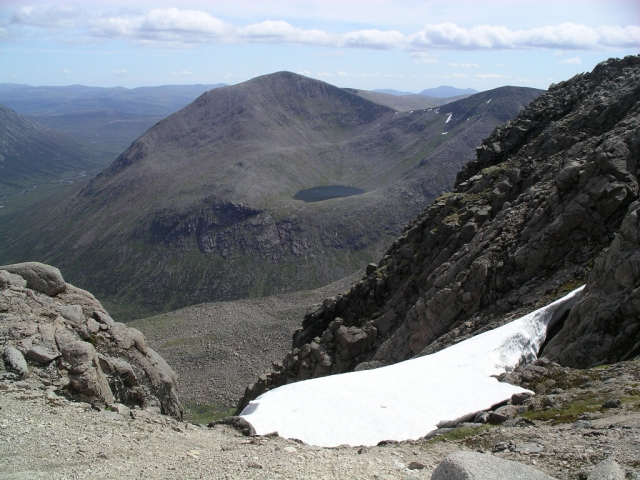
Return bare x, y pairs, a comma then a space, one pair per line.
460, 433
207, 413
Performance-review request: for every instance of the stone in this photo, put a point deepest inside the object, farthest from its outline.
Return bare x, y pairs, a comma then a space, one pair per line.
7, 279
607, 469
477, 466
40, 277
103, 318
14, 361
372, 267
614, 403
481, 417
236, 422
519, 398
495, 417
416, 466
73, 313
41, 355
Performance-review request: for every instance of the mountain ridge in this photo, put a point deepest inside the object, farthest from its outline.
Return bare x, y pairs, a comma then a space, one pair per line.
550, 203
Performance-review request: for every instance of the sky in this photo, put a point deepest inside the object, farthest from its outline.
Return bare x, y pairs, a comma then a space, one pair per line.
408, 45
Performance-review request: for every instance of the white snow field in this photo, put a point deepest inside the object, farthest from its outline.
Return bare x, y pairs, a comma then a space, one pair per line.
409, 399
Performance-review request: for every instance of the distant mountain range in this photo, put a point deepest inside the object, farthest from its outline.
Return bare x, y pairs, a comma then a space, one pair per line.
110, 118
439, 92
201, 207
447, 92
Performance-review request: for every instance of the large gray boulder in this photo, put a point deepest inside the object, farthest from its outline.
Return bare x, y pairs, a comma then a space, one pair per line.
479, 466
70, 342
608, 469
40, 277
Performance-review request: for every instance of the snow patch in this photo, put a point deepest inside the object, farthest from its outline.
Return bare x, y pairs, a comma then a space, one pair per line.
488, 101
444, 133
449, 117
409, 399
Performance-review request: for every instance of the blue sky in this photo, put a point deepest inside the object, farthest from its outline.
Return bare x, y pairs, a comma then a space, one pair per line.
405, 45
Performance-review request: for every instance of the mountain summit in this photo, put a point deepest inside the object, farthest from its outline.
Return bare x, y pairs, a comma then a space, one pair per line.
215, 201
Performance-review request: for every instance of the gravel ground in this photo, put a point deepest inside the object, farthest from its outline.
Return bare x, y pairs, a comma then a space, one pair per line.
45, 436
217, 349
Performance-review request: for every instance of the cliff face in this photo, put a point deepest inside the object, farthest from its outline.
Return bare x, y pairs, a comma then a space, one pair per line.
548, 204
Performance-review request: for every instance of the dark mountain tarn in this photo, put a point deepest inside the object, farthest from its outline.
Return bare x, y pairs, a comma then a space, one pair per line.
318, 194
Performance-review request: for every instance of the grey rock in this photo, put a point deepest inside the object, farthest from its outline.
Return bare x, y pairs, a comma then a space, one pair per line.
481, 417
471, 466
42, 355
7, 279
14, 361
608, 469
40, 277
73, 313
614, 403
529, 448
103, 318
519, 398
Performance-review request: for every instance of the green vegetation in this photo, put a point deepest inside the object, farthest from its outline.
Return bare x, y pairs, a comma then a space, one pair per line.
460, 433
204, 414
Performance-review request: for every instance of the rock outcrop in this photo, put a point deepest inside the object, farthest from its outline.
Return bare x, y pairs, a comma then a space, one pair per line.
63, 336
548, 204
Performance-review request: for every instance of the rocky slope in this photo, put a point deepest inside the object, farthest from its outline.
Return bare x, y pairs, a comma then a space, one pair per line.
205, 205
62, 339
549, 203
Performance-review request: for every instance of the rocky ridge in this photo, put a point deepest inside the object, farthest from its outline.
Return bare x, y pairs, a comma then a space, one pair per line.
548, 204
61, 338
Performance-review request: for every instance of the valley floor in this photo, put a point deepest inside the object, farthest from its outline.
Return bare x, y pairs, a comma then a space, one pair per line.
45, 436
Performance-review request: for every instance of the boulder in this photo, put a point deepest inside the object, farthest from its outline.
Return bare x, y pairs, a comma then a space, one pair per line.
14, 361
74, 346
7, 279
607, 469
478, 466
40, 277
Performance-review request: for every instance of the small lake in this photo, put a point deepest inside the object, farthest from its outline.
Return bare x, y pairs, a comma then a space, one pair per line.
318, 194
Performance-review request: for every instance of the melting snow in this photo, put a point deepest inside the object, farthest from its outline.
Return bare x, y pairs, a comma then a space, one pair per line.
489, 100
409, 399
444, 133
449, 117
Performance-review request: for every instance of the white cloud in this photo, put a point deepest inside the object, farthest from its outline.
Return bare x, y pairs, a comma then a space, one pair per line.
120, 72
186, 73
306, 73
65, 71
464, 65
422, 57
185, 27
571, 61
56, 16
565, 36
487, 76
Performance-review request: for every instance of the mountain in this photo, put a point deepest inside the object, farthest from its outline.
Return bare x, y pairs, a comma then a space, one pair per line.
216, 202
159, 101
35, 160
109, 118
111, 131
404, 103
444, 91
391, 91
550, 203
